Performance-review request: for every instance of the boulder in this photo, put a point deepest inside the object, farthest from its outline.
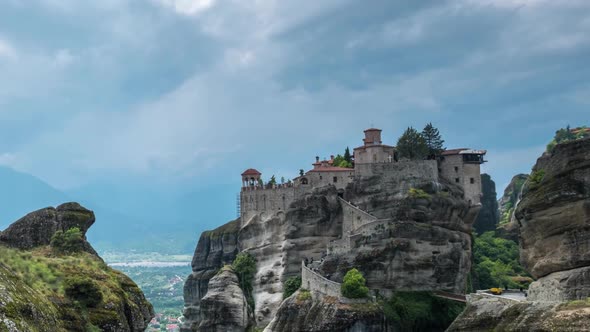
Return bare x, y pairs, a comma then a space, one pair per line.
224, 308
36, 228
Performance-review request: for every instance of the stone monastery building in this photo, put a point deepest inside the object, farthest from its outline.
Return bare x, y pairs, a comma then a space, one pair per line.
373, 158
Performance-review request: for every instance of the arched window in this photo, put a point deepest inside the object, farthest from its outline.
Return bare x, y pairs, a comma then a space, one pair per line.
304, 181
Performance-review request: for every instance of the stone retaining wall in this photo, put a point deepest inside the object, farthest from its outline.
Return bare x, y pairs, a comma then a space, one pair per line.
316, 283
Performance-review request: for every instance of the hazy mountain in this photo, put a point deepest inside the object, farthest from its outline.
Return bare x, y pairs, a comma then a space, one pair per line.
127, 217
22, 193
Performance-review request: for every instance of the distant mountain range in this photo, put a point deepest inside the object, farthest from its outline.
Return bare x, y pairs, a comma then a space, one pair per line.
127, 219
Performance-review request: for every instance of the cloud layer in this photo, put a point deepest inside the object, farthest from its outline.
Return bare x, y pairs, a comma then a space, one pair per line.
178, 91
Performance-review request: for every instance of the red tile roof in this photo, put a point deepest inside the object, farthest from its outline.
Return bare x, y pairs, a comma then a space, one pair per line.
372, 129
251, 171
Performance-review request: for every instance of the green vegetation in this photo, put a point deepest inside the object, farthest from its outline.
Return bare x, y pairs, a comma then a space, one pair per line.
245, 267
69, 288
343, 160
433, 140
421, 311
536, 178
418, 193
83, 290
354, 285
567, 134
496, 263
68, 242
304, 295
291, 286
412, 145
576, 304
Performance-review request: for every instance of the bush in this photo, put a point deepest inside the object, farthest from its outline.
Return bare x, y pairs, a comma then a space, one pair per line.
83, 290
304, 295
245, 267
70, 241
418, 193
536, 178
421, 311
291, 286
353, 286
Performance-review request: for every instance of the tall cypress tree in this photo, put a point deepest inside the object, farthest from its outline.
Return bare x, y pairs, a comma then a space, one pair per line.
347, 155
433, 140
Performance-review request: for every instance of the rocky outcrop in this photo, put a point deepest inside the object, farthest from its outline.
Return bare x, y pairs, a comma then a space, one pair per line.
224, 308
36, 228
305, 311
214, 249
486, 313
508, 227
425, 246
279, 244
34, 278
488, 217
554, 213
411, 242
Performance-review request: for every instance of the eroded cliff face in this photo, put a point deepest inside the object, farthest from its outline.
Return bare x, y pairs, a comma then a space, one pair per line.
279, 244
42, 289
422, 243
224, 308
488, 217
554, 213
304, 311
426, 245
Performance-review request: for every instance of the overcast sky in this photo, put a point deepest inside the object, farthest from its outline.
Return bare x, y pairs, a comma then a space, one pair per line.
185, 93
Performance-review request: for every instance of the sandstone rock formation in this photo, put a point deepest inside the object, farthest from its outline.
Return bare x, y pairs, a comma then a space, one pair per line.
224, 308
508, 227
488, 217
307, 312
484, 313
36, 228
412, 243
33, 301
554, 213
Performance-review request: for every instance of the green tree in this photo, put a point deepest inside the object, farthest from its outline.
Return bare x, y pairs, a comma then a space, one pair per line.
291, 286
497, 262
301, 172
282, 180
353, 286
347, 155
70, 241
245, 267
433, 140
84, 290
412, 145
273, 181
340, 161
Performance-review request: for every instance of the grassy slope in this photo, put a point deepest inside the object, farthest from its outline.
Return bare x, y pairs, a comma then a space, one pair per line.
32, 291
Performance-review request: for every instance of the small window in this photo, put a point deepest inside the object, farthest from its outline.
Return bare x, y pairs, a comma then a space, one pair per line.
456, 169
472, 180
320, 177
457, 180
335, 179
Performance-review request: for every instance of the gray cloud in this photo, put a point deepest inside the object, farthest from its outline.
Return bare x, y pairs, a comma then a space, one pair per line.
177, 89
